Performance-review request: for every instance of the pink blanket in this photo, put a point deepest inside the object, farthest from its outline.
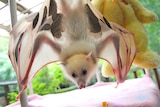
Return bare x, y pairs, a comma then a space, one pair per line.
141, 92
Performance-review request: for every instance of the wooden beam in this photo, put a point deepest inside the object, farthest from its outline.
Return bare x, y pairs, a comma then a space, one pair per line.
20, 7
7, 28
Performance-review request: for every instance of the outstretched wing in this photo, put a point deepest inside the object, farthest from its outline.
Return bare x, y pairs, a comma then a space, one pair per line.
114, 43
34, 42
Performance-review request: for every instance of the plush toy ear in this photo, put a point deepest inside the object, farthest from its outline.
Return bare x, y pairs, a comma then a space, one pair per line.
88, 57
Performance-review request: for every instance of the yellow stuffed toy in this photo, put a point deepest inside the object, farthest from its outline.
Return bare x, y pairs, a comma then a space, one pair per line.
131, 15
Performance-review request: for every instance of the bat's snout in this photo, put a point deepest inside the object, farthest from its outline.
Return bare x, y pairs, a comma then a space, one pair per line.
81, 83
81, 86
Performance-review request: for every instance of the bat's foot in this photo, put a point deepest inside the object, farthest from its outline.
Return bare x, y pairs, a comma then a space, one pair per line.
117, 85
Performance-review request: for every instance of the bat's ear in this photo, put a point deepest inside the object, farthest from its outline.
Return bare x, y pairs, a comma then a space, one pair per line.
88, 57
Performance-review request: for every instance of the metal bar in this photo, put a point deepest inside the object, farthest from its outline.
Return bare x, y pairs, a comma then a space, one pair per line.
8, 83
157, 77
147, 71
13, 12
135, 69
135, 74
30, 88
6, 88
98, 77
143, 71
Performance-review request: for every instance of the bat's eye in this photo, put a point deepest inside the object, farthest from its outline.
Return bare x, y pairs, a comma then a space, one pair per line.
74, 75
84, 72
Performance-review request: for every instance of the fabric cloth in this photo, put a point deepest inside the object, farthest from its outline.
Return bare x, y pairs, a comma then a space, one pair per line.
141, 92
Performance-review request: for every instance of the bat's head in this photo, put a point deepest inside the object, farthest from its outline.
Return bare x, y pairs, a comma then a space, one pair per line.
80, 68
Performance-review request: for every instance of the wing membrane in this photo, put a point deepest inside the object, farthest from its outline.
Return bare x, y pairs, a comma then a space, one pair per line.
115, 45
30, 47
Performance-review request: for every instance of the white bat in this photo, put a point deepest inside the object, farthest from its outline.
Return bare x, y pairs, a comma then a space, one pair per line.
74, 33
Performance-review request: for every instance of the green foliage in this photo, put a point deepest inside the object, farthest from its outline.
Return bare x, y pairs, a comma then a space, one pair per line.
154, 36
12, 97
6, 70
3, 44
112, 79
153, 29
139, 73
153, 5
49, 80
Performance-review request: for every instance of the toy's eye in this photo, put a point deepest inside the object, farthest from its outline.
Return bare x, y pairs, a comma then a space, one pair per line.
74, 75
84, 72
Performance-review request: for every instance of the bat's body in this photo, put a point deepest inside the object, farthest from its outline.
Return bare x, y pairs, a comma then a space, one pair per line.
74, 33
79, 56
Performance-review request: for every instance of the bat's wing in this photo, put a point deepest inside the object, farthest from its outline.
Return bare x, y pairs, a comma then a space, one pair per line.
33, 42
127, 50
114, 43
